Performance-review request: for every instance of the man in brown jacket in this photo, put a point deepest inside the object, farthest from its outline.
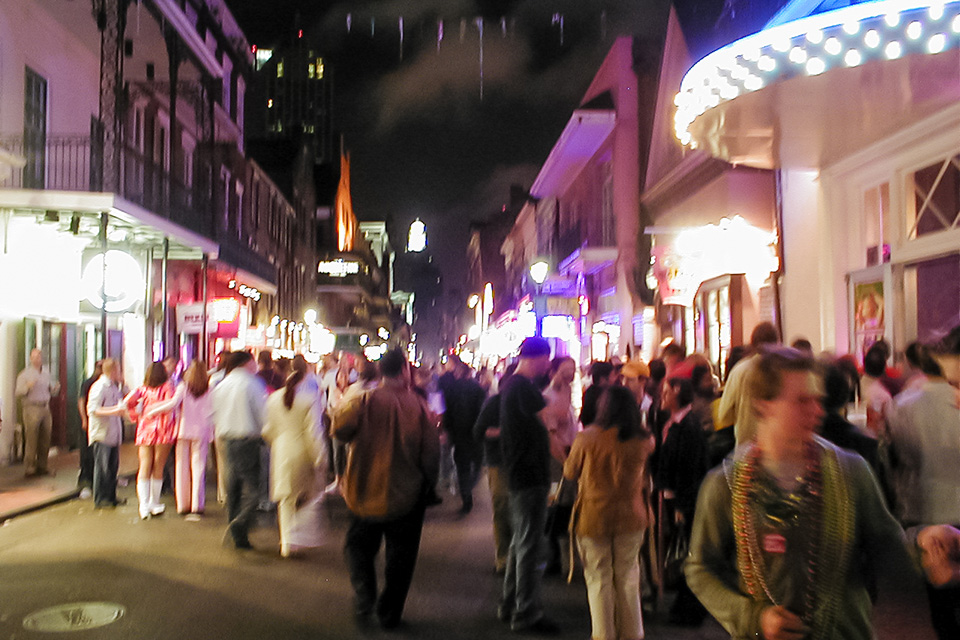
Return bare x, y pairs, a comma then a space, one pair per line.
393, 460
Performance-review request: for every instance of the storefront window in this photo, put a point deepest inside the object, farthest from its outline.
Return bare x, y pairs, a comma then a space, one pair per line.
932, 297
935, 202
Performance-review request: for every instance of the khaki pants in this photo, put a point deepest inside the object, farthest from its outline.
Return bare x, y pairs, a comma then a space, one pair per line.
37, 427
611, 569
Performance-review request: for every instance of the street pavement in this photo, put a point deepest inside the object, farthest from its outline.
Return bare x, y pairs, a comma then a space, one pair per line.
175, 579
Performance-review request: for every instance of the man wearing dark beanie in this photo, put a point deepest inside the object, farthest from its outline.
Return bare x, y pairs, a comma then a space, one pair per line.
525, 446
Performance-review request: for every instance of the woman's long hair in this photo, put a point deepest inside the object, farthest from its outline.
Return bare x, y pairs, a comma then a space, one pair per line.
156, 375
618, 408
196, 378
290, 387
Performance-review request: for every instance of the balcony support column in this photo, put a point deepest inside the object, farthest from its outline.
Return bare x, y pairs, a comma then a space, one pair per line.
111, 18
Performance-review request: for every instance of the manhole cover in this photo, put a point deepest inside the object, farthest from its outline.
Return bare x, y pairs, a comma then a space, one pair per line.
76, 616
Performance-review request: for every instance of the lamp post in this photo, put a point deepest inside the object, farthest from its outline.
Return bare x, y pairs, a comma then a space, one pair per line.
538, 273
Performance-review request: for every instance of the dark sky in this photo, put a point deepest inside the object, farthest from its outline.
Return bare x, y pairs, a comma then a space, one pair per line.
422, 141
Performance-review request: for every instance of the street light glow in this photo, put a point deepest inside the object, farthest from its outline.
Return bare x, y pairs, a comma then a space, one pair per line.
538, 271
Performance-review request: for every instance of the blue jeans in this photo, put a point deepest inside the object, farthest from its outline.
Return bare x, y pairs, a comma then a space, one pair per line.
243, 485
521, 583
106, 461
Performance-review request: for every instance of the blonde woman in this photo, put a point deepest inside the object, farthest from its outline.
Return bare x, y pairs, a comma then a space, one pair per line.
295, 454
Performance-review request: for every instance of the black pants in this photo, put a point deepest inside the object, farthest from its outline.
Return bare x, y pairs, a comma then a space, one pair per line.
467, 457
945, 611
243, 485
106, 462
85, 479
402, 536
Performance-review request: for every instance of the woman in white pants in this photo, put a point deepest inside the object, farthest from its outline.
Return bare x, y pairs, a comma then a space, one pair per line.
194, 435
612, 510
290, 430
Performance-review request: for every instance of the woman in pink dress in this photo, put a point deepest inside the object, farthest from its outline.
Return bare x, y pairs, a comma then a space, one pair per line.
155, 436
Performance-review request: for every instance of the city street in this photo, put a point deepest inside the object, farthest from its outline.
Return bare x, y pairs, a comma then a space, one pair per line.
175, 579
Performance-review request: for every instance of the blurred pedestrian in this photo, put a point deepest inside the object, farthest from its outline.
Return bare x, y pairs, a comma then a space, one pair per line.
291, 430
680, 468
602, 375
525, 445
155, 437
462, 399
85, 478
238, 409
392, 464
735, 404
193, 403
560, 419
34, 388
925, 430
782, 527
272, 380
104, 428
487, 430
612, 511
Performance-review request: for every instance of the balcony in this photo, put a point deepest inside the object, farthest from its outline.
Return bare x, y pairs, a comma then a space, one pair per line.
75, 163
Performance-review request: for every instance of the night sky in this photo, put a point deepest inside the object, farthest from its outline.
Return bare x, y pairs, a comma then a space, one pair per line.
423, 143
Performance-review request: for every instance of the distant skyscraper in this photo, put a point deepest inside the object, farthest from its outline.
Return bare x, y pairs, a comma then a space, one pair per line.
292, 97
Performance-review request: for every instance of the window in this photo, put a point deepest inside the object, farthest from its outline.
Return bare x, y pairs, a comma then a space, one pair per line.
607, 219
876, 224
933, 198
225, 181
239, 190
34, 129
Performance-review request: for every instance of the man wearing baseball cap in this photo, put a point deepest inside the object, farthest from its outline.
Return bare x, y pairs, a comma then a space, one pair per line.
525, 445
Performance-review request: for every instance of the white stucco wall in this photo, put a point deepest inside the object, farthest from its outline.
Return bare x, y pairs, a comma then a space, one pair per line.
806, 289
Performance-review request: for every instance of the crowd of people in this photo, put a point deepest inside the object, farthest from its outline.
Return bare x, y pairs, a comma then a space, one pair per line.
792, 480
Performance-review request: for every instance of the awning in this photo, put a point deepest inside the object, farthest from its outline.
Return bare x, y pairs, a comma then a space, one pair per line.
810, 92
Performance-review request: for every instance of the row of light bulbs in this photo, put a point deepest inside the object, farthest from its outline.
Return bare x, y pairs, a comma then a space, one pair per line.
812, 45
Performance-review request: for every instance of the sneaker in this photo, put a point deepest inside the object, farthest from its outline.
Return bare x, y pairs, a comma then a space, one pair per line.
192, 517
85, 493
542, 627
157, 509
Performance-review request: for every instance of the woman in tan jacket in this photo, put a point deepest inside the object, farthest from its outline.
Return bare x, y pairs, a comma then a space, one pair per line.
612, 511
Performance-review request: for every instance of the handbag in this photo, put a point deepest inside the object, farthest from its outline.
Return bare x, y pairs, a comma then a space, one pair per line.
675, 554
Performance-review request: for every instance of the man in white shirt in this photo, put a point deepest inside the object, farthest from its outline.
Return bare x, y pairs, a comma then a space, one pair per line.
238, 406
104, 432
35, 388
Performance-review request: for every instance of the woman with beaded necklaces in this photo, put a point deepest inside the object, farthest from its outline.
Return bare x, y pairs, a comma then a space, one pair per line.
782, 524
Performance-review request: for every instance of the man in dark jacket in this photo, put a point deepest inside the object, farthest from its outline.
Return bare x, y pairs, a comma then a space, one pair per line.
463, 397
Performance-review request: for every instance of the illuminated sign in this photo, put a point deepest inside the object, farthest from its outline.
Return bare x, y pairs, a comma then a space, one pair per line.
558, 327
245, 291
338, 268
116, 287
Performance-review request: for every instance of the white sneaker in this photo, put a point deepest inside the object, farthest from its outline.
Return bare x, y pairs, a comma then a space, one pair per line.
192, 517
85, 493
157, 509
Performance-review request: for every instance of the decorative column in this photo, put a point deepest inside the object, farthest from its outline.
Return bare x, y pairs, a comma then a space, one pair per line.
111, 18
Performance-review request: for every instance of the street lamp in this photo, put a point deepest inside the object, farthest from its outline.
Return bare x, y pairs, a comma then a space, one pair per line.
538, 273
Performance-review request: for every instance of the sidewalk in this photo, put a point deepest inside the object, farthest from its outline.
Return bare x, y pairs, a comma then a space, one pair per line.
19, 495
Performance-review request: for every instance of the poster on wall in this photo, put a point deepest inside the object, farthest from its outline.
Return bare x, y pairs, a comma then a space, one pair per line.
868, 320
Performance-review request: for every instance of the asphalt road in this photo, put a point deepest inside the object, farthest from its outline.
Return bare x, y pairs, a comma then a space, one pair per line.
175, 579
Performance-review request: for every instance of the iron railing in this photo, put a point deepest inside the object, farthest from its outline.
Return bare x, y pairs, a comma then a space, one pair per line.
75, 163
